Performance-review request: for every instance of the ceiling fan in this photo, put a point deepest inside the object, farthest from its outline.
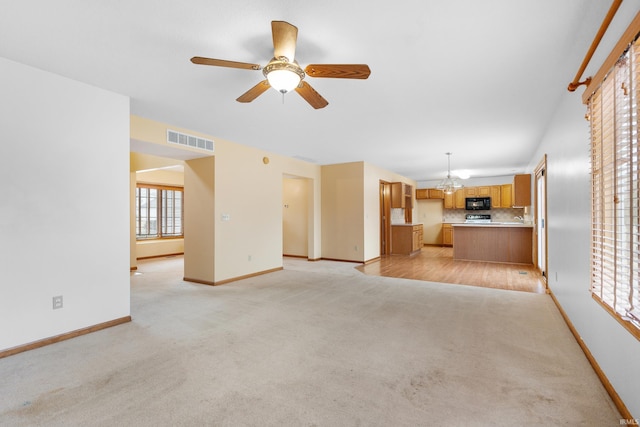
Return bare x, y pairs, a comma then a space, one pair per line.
283, 72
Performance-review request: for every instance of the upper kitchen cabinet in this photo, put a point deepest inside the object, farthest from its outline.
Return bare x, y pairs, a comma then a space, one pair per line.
506, 195
401, 195
517, 194
496, 193
477, 191
522, 190
449, 201
422, 193
434, 193
459, 197
429, 193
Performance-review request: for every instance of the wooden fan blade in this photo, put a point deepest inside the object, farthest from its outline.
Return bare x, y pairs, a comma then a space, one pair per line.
254, 92
223, 63
338, 71
311, 96
285, 36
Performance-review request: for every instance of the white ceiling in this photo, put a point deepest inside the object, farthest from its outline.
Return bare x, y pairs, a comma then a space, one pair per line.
479, 78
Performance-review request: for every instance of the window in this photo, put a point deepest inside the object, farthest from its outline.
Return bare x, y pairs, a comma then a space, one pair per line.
615, 172
159, 212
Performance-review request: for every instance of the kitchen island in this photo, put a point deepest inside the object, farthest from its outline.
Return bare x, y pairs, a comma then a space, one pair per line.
494, 242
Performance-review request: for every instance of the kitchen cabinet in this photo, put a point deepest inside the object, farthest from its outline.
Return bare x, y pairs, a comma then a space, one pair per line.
401, 195
434, 193
449, 201
429, 193
422, 193
470, 191
406, 239
460, 195
496, 191
483, 191
447, 235
506, 195
521, 190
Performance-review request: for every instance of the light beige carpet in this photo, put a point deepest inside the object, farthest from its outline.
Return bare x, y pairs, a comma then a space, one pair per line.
318, 344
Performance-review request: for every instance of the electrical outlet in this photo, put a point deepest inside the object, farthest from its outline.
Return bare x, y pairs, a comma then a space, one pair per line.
57, 302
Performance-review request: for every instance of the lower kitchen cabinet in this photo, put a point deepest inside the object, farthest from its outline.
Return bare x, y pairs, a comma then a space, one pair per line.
447, 235
406, 239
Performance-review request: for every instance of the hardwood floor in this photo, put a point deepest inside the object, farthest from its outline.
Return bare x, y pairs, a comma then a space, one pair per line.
436, 264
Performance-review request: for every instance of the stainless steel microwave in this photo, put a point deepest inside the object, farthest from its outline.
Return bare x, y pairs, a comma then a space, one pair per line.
477, 203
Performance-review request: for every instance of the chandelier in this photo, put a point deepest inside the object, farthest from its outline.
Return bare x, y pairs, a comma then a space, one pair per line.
449, 184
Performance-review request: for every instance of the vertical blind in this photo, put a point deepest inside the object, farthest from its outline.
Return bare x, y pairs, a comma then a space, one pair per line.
615, 247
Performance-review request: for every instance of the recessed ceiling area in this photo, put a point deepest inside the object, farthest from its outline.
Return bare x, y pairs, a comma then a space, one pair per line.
479, 79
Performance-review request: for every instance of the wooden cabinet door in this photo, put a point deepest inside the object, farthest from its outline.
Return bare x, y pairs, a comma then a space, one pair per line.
447, 235
434, 193
397, 195
422, 193
483, 191
506, 195
460, 196
470, 192
496, 191
449, 201
522, 190
417, 238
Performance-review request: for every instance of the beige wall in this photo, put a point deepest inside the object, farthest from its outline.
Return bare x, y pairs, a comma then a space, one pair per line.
351, 210
295, 217
199, 212
429, 214
343, 211
248, 192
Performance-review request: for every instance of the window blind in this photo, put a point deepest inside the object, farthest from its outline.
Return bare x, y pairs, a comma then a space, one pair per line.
615, 242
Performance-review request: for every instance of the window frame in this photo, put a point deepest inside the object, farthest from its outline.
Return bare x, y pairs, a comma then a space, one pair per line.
160, 209
615, 194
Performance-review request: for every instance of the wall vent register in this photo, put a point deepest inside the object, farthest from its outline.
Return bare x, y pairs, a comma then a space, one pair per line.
174, 137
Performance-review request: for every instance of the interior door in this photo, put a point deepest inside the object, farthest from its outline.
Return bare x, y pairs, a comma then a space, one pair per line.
541, 217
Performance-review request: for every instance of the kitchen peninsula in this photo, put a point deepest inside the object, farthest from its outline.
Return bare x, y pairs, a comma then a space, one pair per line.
494, 242
406, 239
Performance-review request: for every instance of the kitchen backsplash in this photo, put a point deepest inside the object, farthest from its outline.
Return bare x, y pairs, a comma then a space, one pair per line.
458, 215
498, 215
397, 216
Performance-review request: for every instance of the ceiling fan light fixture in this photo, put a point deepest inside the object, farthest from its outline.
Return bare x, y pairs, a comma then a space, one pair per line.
282, 75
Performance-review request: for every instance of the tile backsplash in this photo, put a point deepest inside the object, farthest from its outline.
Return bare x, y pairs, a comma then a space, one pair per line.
397, 216
498, 215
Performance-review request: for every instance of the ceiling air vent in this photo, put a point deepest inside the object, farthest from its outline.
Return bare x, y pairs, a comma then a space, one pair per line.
180, 138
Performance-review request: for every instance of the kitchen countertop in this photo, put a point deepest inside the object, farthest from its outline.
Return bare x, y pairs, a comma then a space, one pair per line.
492, 224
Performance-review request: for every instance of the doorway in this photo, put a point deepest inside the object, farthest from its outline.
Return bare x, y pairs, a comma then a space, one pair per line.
385, 218
295, 216
540, 217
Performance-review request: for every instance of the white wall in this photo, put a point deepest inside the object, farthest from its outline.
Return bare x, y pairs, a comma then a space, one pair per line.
568, 186
64, 216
